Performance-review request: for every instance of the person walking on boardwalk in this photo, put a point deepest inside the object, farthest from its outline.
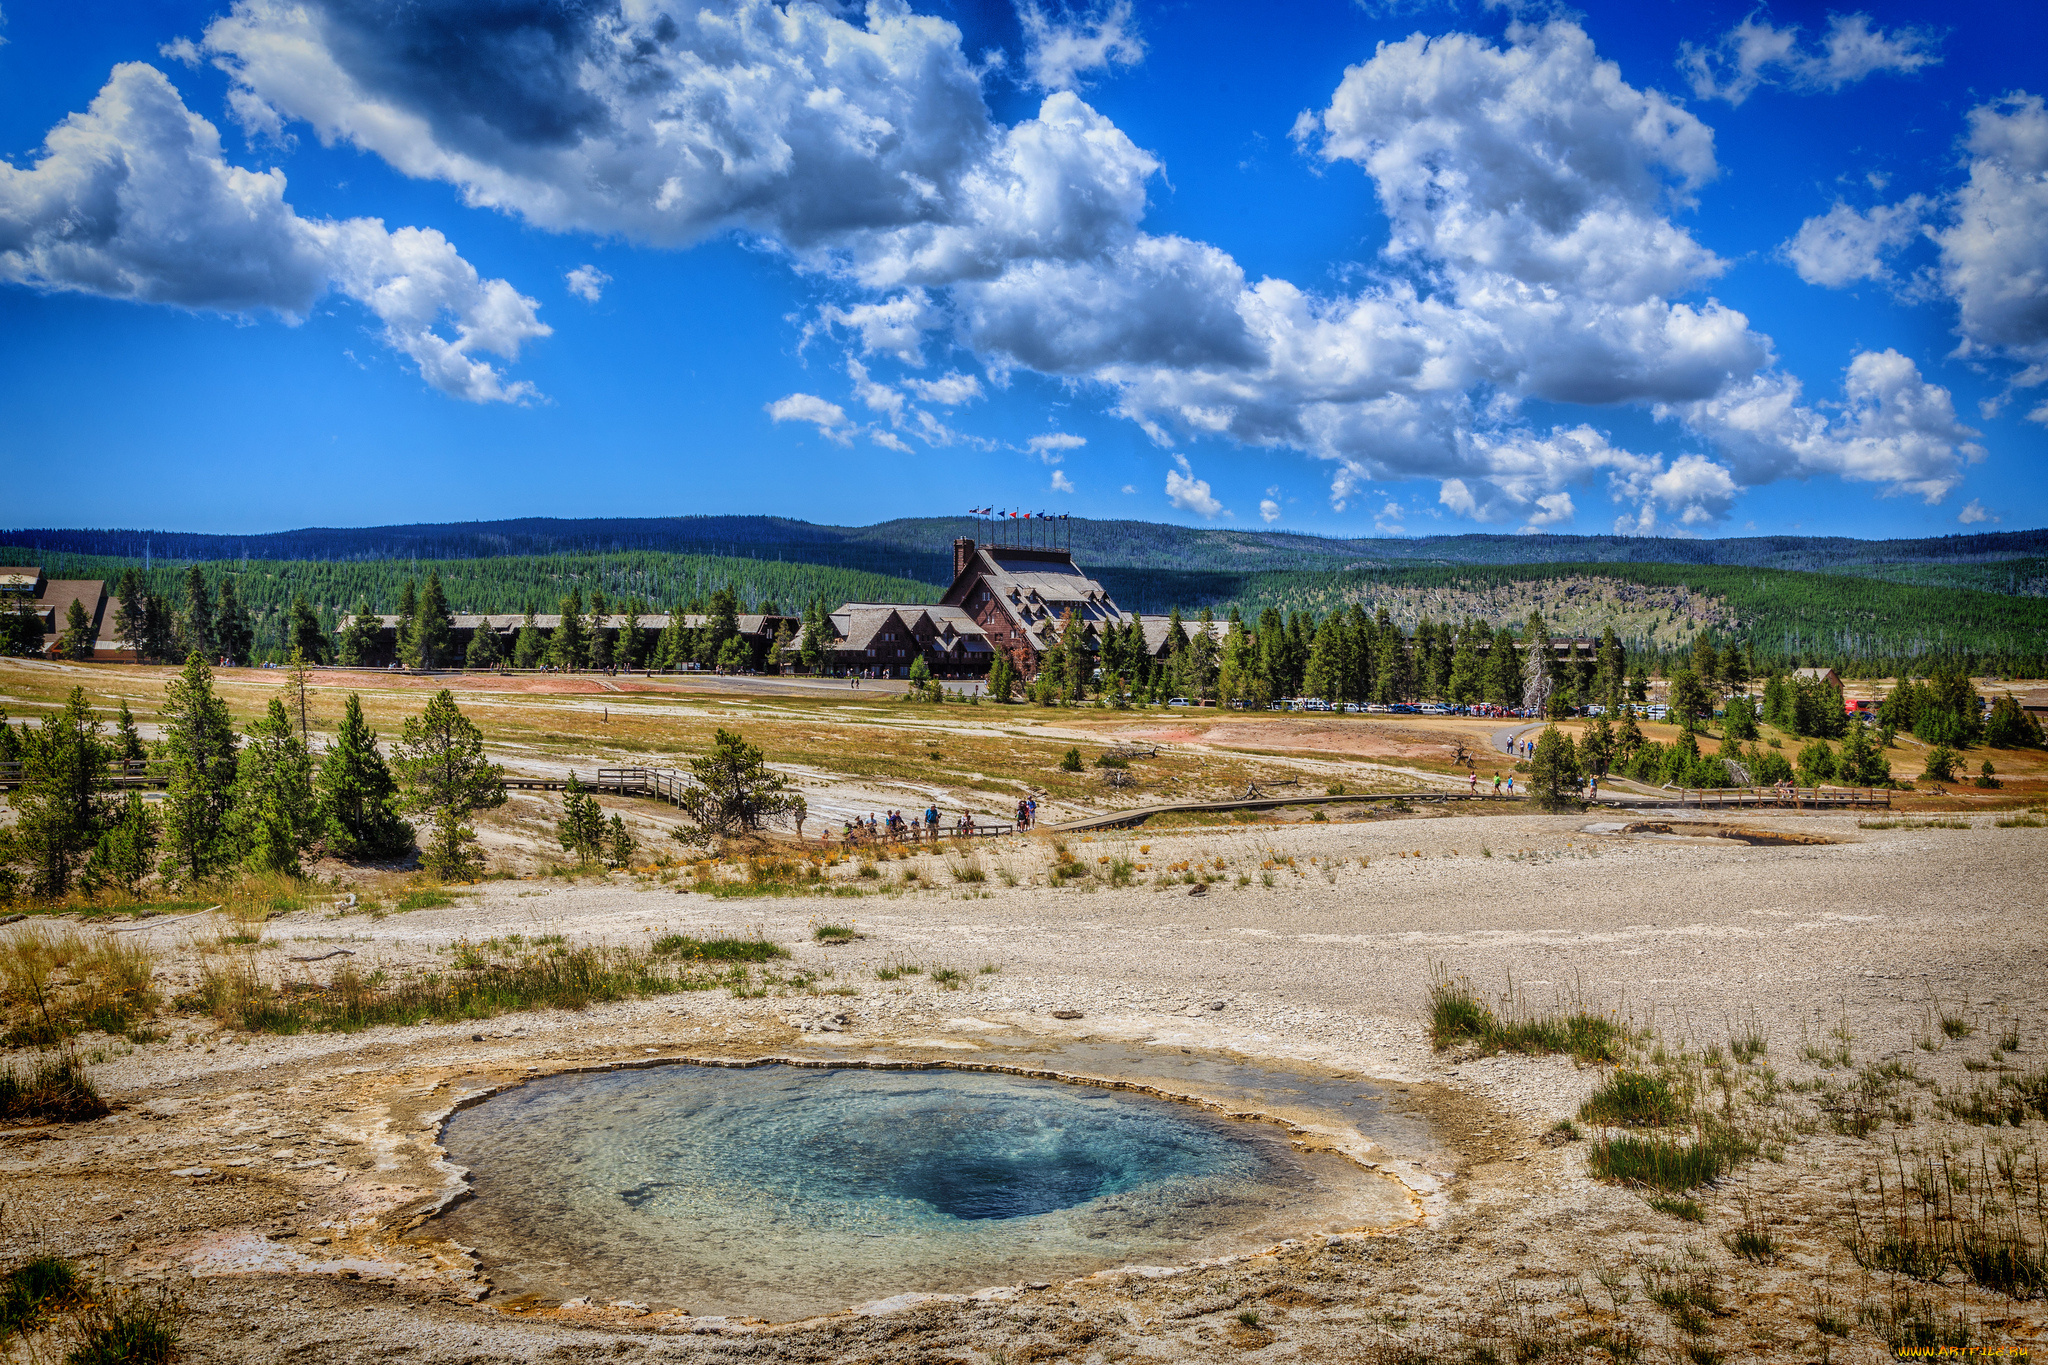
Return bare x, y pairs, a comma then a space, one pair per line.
1496, 784
1474, 790
931, 821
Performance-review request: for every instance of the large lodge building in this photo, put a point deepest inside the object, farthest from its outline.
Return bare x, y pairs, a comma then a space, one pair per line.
1003, 598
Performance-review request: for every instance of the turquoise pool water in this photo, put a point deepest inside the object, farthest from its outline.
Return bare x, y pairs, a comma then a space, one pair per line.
784, 1191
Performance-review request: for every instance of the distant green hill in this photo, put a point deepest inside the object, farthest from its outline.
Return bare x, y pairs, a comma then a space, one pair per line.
920, 547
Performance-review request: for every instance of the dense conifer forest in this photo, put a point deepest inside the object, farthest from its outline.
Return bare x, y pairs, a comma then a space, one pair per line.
1882, 606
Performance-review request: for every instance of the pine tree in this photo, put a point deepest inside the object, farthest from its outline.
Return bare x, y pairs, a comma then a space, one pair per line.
580, 830
1468, 674
408, 610
633, 641
359, 640
233, 635
619, 844
128, 747
1002, 677
196, 624
1554, 771
778, 652
79, 637
131, 611
59, 810
484, 649
444, 775
1690, 703
1390, 662
357, 793
304, 633
1734, 668
126, 852
724, 625
1323, 676
735, 792
433, 628
812, 650
199, 743
274, 815
298, 696
159, 629
528, 649
566, 649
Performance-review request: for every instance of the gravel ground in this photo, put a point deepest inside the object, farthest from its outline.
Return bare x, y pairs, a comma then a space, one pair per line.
1326, 970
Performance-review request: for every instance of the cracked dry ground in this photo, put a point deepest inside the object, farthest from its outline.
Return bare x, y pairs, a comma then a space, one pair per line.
306, 1243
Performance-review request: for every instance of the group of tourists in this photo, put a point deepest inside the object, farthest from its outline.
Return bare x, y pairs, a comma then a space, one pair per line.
895, 826
1027, 813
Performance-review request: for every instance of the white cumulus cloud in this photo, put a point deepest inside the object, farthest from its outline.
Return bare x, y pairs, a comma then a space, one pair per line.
1189, 493
1053, 446
132, 199
1845, 245
587, 282
1973, 512
1892, 427
1061, 483
1755, 53
1269, 511
828, 417
1060, 50
949, 390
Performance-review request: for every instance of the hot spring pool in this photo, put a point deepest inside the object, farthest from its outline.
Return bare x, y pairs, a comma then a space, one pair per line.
783, 1191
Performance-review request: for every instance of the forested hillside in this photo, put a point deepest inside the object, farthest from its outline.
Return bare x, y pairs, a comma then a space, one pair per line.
1855, 619
920, 548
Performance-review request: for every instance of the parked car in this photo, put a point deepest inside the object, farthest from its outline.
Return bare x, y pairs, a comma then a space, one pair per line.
1179, 701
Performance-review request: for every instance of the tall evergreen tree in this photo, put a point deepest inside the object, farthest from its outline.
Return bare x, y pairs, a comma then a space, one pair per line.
528, 649
359, 640
199, 743
812, 649
580, 830
1504, 670
445, 776
567, 647
59, 809
433, 627
483, 647
127, 746
304, 633
126, 852
408, 612
1467, 682
1002, 677
79, 636
1554, 771
274, 816
159, 629
1324, 676
195, 626
298, 696
357, 794
131, 610
234, 636
632, 640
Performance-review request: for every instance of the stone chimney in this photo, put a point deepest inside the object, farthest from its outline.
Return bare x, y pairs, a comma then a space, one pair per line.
963, 552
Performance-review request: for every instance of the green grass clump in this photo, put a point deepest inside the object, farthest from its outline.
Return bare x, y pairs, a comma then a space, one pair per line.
720, 949
52, 1087
1630, 1099
1457, 1015
1665, 1163
424, 900
126, 1329
1679, 1207
483, 986
834, 933
33, 1289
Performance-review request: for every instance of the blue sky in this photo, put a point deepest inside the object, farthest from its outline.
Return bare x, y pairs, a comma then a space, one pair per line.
1695, 269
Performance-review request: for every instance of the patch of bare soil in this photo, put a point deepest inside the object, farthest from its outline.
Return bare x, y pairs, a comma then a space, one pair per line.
1351, 737
1889, 990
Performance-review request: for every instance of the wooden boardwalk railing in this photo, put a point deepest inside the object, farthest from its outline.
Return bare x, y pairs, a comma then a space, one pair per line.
1797, 798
